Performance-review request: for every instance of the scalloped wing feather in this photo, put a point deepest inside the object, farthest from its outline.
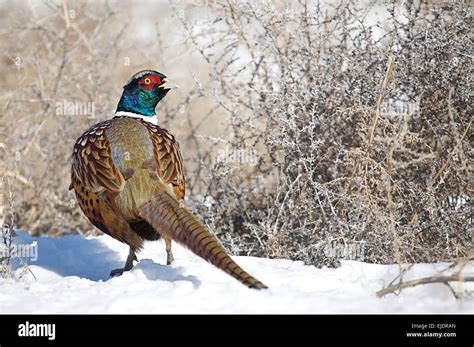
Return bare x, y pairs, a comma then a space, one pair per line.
92, 163
169, 162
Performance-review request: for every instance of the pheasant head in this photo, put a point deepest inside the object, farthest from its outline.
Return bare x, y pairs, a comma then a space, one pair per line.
143, 91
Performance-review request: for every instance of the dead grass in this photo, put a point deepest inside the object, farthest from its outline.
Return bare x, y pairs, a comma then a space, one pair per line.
302, 132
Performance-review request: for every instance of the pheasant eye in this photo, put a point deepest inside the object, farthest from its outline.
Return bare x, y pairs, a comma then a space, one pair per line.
147, 81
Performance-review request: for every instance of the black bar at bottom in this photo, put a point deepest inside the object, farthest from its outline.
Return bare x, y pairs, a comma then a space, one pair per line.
440, 330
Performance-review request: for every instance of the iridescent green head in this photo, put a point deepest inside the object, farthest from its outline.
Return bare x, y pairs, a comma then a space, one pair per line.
143, 91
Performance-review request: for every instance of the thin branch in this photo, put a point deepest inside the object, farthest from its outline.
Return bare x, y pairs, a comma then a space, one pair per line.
450, 155
66, 16
20, 178
388, 74
426, 280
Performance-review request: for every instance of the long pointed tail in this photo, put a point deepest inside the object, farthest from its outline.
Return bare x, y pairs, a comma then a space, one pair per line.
170, 219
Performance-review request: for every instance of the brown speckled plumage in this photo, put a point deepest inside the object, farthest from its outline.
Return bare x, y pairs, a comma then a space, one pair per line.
128, 178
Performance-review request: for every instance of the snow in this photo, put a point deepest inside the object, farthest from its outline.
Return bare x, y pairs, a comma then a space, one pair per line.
72, 277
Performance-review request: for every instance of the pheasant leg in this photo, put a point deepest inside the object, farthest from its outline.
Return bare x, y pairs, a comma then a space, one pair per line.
169, 253
128, 264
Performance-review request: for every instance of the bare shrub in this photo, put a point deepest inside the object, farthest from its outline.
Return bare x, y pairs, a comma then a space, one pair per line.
8, 225
361, 130
308, 129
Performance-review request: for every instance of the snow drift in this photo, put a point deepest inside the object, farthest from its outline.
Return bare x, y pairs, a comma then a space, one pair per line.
72, 276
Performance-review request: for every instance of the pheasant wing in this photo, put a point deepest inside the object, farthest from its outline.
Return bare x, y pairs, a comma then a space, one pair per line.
92, 163
168, 163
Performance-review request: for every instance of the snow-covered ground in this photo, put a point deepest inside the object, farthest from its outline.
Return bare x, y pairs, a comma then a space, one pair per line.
72, 277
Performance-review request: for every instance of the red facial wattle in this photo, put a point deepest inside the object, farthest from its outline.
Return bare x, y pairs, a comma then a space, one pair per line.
148, 82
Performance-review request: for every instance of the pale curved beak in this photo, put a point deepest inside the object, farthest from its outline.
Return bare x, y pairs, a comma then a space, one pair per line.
167, 84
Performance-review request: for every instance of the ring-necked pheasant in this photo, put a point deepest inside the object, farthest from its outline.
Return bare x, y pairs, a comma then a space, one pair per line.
127, 174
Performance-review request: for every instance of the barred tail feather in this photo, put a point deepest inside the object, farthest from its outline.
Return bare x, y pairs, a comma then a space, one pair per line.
173, 221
